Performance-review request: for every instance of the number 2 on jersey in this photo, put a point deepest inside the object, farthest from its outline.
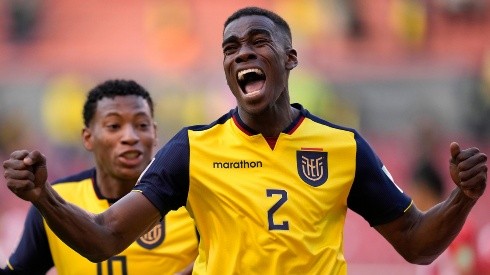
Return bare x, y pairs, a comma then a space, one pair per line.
283, 197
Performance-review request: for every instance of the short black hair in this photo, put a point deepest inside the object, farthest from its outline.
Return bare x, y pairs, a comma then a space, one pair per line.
110, 89
249, 11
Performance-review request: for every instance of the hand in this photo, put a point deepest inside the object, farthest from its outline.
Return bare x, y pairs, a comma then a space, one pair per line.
26, 174
468, 170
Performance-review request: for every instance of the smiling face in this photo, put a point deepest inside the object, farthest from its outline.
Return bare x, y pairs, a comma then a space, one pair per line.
121, 137
257, 61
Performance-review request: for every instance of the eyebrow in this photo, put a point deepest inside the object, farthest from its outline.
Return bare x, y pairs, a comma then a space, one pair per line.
118, 114
252, 32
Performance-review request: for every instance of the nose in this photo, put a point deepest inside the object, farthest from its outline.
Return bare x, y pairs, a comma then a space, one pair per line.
130, 135
244, 54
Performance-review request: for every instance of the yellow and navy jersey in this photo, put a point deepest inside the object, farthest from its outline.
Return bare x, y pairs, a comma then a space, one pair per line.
169, 247
263, 210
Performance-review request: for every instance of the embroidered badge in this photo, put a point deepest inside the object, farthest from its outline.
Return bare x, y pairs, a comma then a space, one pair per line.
154, 237
312, 167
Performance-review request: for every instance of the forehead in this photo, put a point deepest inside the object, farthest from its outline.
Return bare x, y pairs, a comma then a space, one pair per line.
122, 105
247, 24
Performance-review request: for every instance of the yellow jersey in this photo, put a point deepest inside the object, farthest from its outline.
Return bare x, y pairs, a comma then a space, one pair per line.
169, 247
272, 210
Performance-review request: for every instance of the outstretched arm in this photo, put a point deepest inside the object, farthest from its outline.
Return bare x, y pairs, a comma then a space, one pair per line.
96, 237
420, 237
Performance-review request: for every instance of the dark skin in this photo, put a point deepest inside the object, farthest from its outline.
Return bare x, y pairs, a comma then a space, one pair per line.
420, 237
255, 42
250, 42
121, 137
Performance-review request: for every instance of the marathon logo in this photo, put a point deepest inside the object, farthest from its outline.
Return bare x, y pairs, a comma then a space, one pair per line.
242, 164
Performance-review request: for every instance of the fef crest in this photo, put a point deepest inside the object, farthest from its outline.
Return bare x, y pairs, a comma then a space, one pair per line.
154, 237
312, 167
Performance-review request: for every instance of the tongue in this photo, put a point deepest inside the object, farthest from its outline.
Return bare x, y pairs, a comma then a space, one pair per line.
253, 86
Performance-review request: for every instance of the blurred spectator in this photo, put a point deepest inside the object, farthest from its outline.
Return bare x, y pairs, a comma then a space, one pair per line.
462, 8
460, 258
409, 20
427, 189
481, 100
427, 186
24, 16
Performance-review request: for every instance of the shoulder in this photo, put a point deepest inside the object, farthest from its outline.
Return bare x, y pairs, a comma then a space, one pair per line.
320, 121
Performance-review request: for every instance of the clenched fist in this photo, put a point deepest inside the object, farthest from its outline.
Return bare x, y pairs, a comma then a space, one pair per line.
26, 174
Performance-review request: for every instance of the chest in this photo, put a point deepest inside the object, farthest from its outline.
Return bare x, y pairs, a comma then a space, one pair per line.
304, 172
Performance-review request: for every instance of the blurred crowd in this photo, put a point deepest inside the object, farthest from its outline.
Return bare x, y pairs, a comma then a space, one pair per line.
411, 75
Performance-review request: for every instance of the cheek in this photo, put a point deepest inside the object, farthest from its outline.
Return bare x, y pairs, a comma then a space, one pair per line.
105, 146
149, 141
100, 141
103, 157
227, 68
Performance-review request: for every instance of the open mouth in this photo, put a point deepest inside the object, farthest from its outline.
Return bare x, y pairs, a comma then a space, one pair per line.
131, 155
251, 80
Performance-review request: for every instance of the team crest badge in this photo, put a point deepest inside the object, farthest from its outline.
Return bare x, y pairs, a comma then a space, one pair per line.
312, 167
154, 237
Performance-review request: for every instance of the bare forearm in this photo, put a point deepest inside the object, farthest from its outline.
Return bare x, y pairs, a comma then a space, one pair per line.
421, 237
98, 237
441, 224
83, 231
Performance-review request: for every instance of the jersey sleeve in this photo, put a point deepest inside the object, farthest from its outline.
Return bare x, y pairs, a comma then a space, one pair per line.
165, 182
32, 255
374, 195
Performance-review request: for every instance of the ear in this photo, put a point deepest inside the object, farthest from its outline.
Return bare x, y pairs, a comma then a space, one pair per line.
87, 138
292, 61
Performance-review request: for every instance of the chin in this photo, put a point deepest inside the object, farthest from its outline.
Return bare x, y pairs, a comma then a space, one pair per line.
130, 174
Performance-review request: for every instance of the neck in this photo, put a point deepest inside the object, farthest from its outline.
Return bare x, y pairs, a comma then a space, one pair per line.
113, 188
271, 122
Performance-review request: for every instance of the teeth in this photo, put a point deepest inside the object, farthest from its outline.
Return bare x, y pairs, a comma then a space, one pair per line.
241, 74
131, 155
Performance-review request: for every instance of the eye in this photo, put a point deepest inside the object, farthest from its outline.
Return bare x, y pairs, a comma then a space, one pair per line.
144, 126
260, 41
229, 49
113, 126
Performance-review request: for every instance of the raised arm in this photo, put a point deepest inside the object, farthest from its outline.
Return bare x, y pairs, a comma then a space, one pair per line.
420, 237
95, 236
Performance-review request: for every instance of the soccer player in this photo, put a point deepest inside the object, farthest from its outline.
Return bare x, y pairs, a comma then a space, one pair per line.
120, 131
268, 184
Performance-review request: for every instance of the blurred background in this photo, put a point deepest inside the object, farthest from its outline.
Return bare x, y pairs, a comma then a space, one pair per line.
411, 75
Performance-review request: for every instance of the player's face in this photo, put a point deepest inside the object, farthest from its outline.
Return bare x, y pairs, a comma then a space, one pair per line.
121, 137
256, 62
